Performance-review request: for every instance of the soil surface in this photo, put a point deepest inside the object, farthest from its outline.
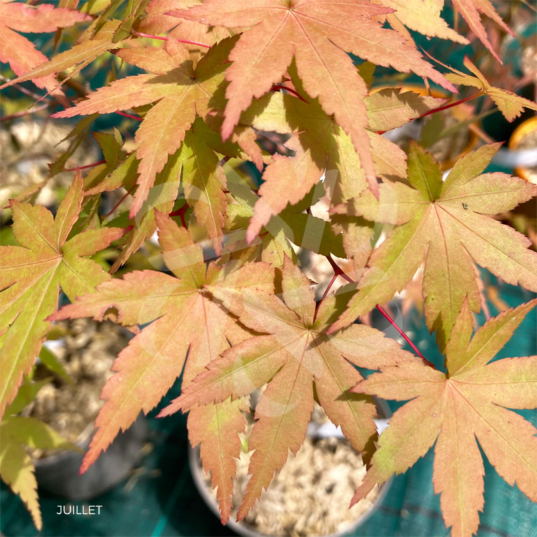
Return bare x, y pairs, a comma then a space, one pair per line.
312, 493
86, 352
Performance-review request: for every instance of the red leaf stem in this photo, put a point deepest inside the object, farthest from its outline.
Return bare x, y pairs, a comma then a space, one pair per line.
149, 36
181, 213
446, 107
339, 272
124, 114
78, 168
277, 87
119, 202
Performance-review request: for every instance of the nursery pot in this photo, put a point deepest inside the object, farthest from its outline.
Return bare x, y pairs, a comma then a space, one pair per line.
59, 473
86, 353
327, 430
520, 140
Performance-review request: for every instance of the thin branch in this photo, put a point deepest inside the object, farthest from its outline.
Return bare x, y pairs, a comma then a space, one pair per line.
150, 36
25, 112
22, 89
338, 270
181, 213
78, 168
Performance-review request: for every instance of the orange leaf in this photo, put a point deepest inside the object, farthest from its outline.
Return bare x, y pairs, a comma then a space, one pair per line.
456, 409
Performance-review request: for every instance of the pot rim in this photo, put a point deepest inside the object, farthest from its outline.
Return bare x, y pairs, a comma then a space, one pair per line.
526, 127
242, 528
82, 442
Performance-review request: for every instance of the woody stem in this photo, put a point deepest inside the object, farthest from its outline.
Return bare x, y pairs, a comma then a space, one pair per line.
181, 213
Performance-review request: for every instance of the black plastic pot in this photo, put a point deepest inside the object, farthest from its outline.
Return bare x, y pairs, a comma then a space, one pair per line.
59, 473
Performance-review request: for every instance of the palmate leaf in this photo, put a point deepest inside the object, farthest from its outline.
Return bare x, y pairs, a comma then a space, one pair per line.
158, 21
295, 356
180, 91
32, 273
449, 224
454, 410
422, 16
322, 147
196, 164
470, 10
185, 320
79, 56
510, 104
317, 34
17, 50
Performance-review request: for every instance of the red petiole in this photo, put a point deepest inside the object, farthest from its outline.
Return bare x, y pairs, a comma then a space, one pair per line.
339, 272
277, 87
124, 114
181, 213
149, 36
119, 202
78, 168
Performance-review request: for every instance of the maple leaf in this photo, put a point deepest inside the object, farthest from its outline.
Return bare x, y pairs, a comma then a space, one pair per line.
31, 274
291, 226
16, 466
321, 147
316, 34
295, 356
391, 108
204, 183
185, 320
453, 410
158, 21
182, 93
195, 163
422, 16
470, 10
510, 104
161, 198
449, 223
17, 50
